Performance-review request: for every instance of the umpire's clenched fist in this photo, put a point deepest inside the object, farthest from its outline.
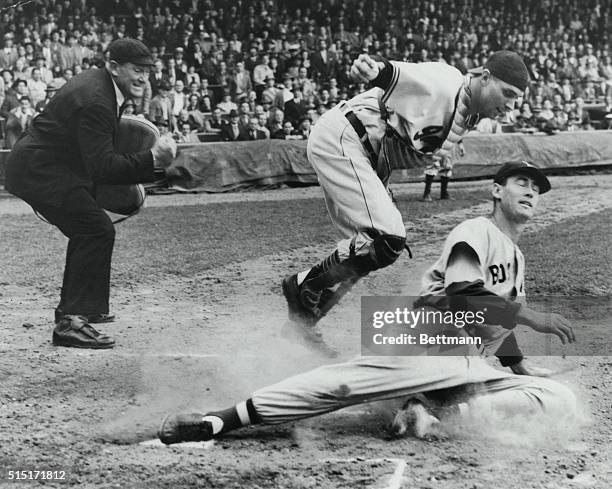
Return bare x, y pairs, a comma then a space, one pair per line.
365, 69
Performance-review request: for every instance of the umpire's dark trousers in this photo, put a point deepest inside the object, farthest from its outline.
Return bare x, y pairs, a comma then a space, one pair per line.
91, 234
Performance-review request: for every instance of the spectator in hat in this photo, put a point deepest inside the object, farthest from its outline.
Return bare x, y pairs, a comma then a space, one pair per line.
65, 153
269, 93
227, 105
231, 131
260, 73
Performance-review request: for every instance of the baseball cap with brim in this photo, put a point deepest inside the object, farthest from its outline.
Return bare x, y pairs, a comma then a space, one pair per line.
508, 66
523, 167
128, 50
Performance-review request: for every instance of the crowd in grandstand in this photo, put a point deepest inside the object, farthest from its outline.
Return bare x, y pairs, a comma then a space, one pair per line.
239, 70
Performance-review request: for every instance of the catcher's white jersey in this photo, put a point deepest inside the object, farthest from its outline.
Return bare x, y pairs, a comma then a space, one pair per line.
502, 264
421, 102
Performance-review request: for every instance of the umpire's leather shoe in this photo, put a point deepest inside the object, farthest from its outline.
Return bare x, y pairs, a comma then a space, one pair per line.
178, 428
76, 332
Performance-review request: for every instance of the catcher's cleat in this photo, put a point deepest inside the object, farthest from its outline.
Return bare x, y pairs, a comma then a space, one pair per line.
446, 196
302, 323
179, 428
414, 418
299, 312
426, 198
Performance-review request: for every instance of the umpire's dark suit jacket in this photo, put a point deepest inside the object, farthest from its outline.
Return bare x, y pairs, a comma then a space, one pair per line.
54, 167
70, 145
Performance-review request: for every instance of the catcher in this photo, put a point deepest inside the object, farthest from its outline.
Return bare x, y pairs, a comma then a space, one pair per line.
468, 276
415, 114
55, 167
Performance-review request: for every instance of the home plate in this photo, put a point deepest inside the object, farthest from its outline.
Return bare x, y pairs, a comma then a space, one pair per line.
202, 445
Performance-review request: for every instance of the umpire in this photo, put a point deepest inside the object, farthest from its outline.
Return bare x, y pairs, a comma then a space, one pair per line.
55, 166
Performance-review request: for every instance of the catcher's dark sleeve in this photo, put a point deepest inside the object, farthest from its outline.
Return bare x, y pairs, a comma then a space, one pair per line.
383, 80
95, 138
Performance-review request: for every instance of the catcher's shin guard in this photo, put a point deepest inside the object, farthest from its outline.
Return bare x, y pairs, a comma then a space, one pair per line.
316, 292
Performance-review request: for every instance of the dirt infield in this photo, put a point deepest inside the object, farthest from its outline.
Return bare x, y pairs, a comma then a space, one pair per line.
196, 288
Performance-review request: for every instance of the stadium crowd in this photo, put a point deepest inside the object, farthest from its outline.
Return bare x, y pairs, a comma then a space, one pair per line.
240, 70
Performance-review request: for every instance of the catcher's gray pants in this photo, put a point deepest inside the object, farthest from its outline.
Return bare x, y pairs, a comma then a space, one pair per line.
365, 379
356, 198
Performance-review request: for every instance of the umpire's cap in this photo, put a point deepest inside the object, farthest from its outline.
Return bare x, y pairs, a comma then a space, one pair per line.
524, 167
128, 50
509, 67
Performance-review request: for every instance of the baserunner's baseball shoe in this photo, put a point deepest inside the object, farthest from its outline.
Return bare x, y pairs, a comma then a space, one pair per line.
179, 428
414, 418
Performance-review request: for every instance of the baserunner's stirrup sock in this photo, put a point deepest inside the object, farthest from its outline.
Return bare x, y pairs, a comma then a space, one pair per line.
242, 414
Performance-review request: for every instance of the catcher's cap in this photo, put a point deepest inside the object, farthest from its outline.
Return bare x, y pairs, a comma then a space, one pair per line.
508, 66
128, 50
524, 167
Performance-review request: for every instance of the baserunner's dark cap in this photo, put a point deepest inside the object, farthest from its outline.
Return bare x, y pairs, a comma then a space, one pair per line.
128, 50
523, 167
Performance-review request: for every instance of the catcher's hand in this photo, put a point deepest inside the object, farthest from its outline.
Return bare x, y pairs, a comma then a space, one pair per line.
365, 69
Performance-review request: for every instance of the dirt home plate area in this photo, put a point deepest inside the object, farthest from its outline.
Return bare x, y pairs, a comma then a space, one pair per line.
196, 288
